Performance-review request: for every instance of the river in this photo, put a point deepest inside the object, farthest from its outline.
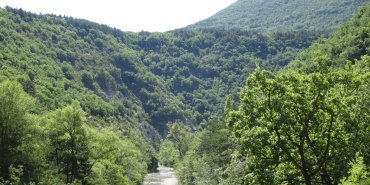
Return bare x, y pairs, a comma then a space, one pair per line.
164, 176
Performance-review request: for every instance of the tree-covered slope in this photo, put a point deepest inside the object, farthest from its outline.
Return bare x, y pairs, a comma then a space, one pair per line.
58, 59
154, 78
350, 42
202, 67
305, 124
282, 15
64, 115
311, 119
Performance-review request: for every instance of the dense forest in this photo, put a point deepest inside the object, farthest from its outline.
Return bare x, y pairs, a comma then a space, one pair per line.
83, 103
305, 124
282, 15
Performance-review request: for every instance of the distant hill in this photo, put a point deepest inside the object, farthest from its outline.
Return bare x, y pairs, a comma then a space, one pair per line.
322, 15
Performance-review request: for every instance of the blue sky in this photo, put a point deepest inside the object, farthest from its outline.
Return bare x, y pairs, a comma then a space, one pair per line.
128, 15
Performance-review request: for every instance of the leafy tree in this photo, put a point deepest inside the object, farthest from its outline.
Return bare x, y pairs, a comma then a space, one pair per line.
15, 105
88, 80
208, 156
358, 173
105, 80
168, 154
115, 159
186, 167
69, 141
303, 127
181, 136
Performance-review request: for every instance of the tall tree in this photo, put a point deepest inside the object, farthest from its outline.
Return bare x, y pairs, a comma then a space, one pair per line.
181, 137
14, 106
304, 127
69, 140
168, 154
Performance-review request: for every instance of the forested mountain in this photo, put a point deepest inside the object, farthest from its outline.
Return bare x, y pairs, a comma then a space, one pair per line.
163, 77
316, 15
83, 103
202, 67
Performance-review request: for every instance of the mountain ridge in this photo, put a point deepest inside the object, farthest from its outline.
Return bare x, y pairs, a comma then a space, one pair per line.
282, 15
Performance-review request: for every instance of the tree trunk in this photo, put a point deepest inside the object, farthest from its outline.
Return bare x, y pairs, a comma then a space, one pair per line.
326, 177
307, 177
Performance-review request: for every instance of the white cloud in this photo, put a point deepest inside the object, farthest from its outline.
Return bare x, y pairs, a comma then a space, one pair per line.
128, 15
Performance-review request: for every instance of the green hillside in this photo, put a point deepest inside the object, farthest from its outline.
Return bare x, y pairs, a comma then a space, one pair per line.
282, 15
315, 113
163, 77
202, 67
305, 124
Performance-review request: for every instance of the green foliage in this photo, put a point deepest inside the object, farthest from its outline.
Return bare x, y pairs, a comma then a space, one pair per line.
306, 123
69, 142
358, 173
201, 67
55, 148
60, 59
185, 169
168, 154
282, 15
163, 77
349, 43
207, 157
116, 160
180, 135
15, 176
131, 85
302, 124
15, 105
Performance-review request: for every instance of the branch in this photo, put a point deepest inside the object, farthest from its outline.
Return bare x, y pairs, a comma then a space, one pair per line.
322, 161
283, 147
291, 140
